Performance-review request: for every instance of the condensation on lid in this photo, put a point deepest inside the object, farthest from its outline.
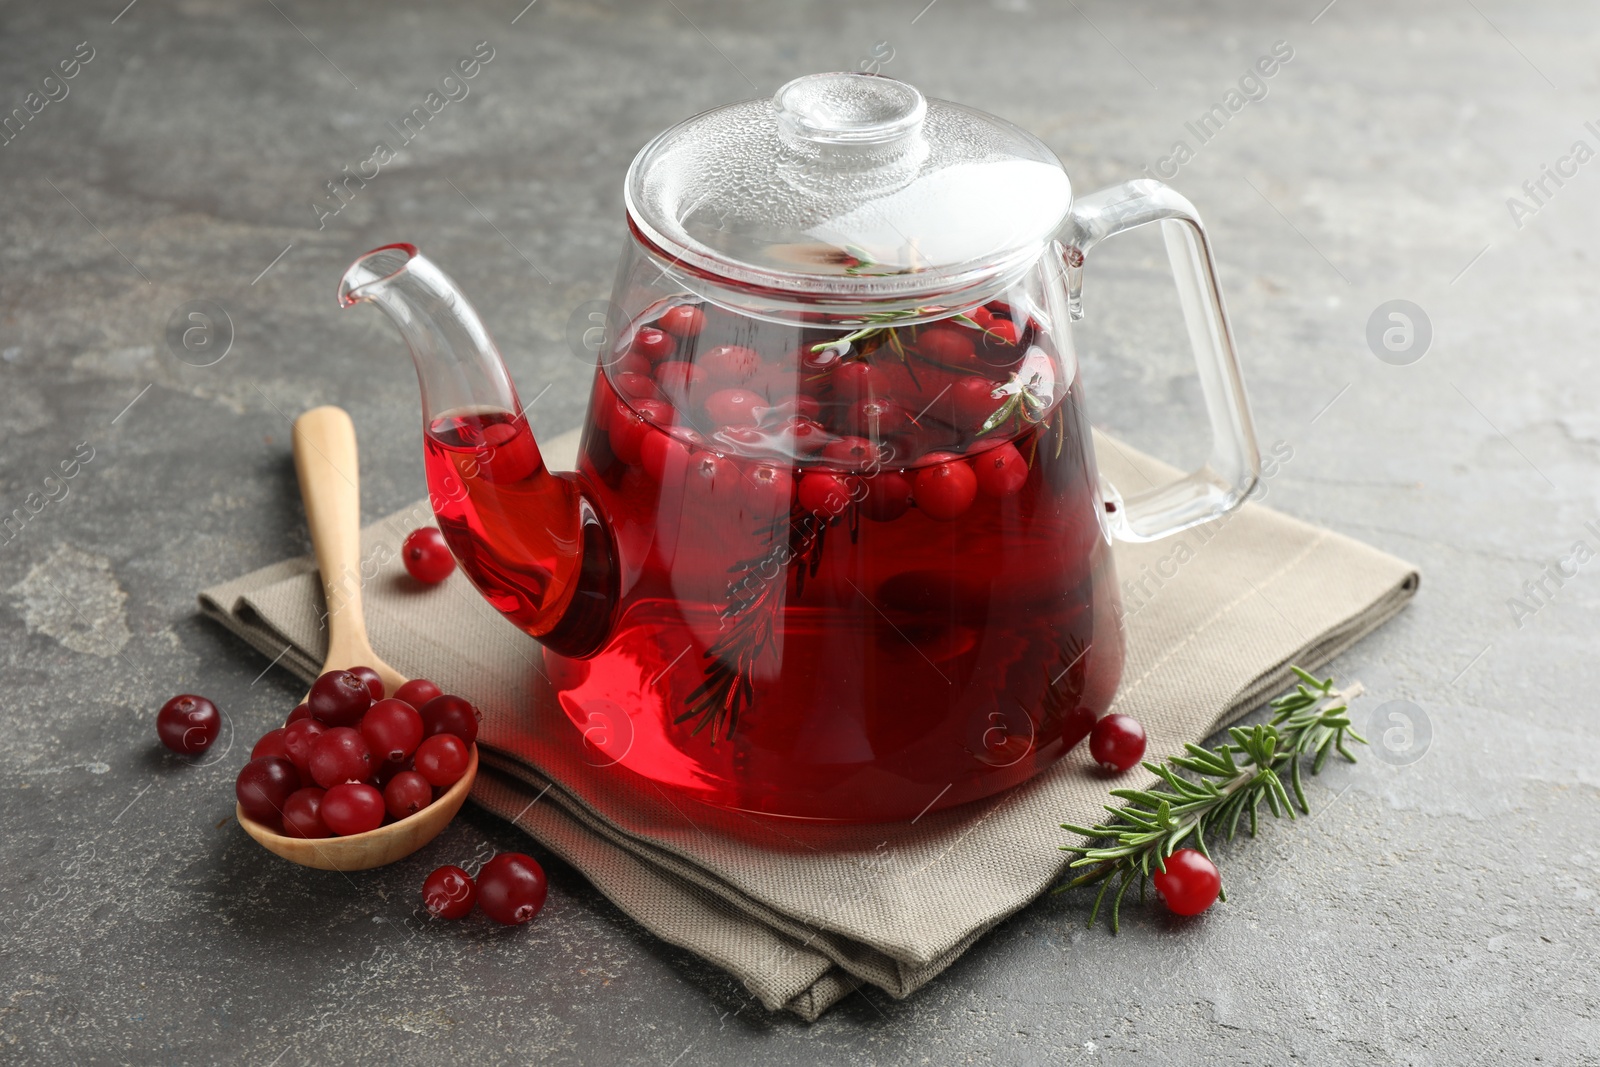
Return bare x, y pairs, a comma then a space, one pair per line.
847, 185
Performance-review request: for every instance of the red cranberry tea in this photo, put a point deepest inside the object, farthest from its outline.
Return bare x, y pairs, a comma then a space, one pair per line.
861, 571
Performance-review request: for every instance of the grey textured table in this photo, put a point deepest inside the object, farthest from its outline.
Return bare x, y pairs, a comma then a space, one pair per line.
1440, 910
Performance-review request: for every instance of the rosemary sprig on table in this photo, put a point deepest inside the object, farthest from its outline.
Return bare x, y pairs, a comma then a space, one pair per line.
1227, 782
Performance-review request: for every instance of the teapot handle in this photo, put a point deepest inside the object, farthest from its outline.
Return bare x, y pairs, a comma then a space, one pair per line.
1234, 465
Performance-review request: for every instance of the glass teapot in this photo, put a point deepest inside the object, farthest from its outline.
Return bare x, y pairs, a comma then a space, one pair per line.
836, 547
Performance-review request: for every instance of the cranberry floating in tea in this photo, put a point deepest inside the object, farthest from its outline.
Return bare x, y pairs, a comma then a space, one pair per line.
836, 547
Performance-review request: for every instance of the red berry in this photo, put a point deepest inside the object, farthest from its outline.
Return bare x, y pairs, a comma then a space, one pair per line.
187, 724
406, 794
638, 386
711, 477
631, 363
769, 487
854, 452
441, 759
271, 744
450, 715
678, 379
1117, 743
805, 435
1001, 471
352, 808
511, 888
371, 677
653, 344
1000, 331
301, 711
628, 426
664, 458
730, 365
302, 814
299, 738
950, 345
448, 893
945, 491
428, 560
888, 496
877, 417
262, 787
1189, 884
341, 755
972, 401
685, 320
735, 407
857, 381
417, 692
392, 729
387, 771
339, 698
825, 493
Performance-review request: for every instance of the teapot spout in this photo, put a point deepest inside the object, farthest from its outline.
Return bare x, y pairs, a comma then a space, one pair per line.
531, 541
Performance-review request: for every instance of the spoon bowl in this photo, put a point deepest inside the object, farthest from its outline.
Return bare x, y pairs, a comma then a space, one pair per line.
360, 852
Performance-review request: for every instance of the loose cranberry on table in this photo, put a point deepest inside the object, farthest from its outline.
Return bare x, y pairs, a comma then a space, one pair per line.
511, 888
417, 692
187, 724
1001, 471
428, 560
406, 794
441, 759
1190, 883
1117, 743
946, 490
446, 714
352, 808
449, 893
263, 786
392, 729
339, 698
302, 814
341, 755
684, 320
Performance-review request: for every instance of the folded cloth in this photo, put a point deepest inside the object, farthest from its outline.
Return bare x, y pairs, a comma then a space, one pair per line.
803, 913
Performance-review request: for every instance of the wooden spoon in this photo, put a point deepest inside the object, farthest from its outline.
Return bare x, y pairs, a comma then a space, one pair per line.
325, 462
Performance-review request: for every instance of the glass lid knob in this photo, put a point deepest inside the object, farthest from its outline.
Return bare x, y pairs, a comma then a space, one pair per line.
848, 109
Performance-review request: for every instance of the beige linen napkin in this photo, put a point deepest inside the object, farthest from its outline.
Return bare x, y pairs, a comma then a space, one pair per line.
804, 913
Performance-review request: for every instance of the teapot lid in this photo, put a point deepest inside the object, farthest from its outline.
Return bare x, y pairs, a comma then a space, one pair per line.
848, 186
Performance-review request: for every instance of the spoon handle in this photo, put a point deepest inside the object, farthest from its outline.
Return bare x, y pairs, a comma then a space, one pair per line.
325, 462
